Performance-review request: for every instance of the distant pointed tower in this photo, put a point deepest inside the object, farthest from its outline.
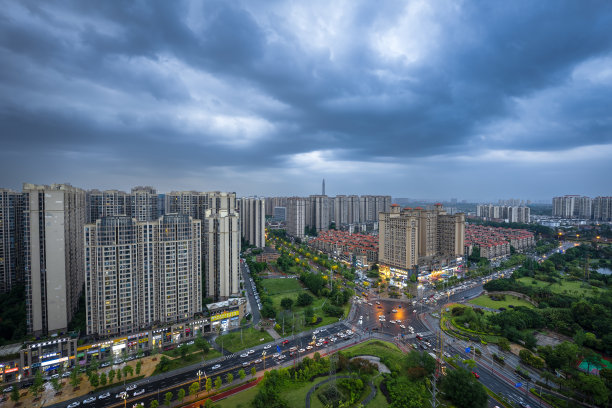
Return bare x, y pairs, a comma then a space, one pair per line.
323, 193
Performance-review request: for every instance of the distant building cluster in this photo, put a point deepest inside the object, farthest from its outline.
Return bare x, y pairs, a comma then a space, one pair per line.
319, 211
347, 246
582, 207
504, 213
495, 242
411, 237
143, 258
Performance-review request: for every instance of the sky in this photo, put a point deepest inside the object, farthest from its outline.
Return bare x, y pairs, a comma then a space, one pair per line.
476, 100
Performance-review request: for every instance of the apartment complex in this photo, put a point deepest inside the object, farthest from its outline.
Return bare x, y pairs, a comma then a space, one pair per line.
142, 203
53, 221
416, 236
582, 207
296, 216
11, 268
507, 213
253, 220
141, 273
347, 246
221, 251
496, 242
280, 214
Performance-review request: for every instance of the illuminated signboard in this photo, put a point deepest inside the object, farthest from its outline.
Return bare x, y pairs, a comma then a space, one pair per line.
57, 360
224, 315
11, 370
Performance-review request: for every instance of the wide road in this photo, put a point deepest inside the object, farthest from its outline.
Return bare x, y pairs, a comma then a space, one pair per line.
155, 387
249, 289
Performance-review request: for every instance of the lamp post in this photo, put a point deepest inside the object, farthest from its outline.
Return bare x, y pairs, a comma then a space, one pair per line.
124, 395
263, 355
200, 373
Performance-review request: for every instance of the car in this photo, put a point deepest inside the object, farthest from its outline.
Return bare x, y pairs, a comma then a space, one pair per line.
244, 355
246, 364
74, 404
139, 392
131, 387
121, 394
216, 367
189, 343
103, 365
258, 361
414, 311
130, 358
475, 374
269, 346
89, 400
285, 342
394, 311
524, 405
104, 396
8, 389
319, 344
402, 326
66, 374
360, 318
315, 332
308, 347
275, 355
301, 350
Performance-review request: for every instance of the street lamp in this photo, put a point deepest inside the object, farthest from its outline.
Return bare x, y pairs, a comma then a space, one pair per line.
200, 373
124, 395
263, 355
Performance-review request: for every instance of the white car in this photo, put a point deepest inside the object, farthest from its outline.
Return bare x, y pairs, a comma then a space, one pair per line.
131, 387
139, 392
74, 404
244, 355
120, 395
301, 350
216, 367
269, 346
258, 361
104, 396
308, 347
189, 343
246, 364
89, 400
251, 351
275, 355
402, 326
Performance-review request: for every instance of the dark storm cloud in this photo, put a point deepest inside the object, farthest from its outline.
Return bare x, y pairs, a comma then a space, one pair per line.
171, 87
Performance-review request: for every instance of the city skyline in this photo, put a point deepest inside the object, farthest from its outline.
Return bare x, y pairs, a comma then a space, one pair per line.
413, 99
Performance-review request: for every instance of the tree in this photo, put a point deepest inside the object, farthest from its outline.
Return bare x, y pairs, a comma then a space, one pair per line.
194, 388
128, 370
118, 374
230, 378
111, 375
253, 371
241, 374
37, 386
202, 344
168, 398
503, 344
75, 378
208, 384
95, 364
286, 303
304, 299
183, 351
218, 382
594, 387
94, 380
463, 389
309, 313
15, 395
154, 404
103, 379
181, 394
138, 367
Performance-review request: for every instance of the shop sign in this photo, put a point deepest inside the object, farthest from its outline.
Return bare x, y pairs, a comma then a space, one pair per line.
224, 315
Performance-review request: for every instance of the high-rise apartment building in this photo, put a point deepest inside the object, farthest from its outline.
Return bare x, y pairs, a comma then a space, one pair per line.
317, 216
602, 208
572, 206
53, 220
141, 273
296, 216
280, 214
106, 203
221, 252
508, 213
253, 220
143, 203
11, 265
412, 237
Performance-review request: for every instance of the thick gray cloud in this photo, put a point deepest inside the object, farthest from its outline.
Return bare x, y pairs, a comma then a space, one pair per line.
477, 100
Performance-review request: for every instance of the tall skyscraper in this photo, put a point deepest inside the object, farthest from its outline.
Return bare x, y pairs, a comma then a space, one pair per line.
141, 273
323, 188
398, 239
318, 216
11, 264
296, 216
253, 220
53, 222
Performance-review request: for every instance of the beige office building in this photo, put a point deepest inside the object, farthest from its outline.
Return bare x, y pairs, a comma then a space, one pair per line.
53, 220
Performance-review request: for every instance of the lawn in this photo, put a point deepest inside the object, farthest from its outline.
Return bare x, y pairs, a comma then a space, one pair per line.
571, 287
189, 359
485, 301
296, 397
276, 286
240, 399
250, 337
379, 400
389, 353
